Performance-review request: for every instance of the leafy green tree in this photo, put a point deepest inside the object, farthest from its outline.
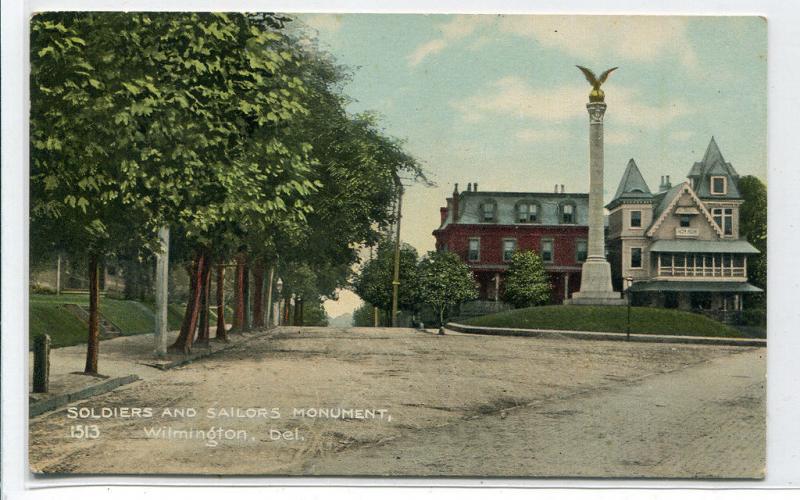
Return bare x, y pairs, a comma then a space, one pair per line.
526, 283
753, 227
364, 315
445, 281
374, 281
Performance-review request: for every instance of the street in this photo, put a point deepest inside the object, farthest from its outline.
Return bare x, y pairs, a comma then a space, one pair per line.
334, 401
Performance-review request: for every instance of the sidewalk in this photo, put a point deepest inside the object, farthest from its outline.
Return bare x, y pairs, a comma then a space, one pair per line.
586, 335
121, 360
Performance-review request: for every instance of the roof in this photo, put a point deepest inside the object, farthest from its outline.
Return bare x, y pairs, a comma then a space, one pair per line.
693, 286
703, 246
470, 207
632, 183
662, 200
713, 163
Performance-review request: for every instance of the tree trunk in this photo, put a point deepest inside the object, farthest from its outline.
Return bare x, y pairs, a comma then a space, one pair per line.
246, 297
93, 344
221, 333
185, 339
238, 295
258, 295
287, 306
203, 333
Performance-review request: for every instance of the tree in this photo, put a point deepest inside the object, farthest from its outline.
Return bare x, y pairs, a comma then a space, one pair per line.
753, 227
374, 282
526, 282
445, 281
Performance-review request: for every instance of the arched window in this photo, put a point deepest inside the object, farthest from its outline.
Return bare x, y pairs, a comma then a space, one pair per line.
488, 211
567, 213
528, 211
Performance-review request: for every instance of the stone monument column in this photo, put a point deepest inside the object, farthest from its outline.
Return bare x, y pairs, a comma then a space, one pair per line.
596, 286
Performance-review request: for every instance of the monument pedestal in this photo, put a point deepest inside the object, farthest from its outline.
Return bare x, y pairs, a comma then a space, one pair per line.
596, 287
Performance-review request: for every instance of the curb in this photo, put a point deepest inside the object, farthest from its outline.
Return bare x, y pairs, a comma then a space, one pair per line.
38, 407
584, 335
190, 358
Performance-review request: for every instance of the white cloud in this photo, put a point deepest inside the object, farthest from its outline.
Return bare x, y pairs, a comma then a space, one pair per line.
636, 38
618, 38
456, 29
514, 97
425, 50
542, 135
324, 22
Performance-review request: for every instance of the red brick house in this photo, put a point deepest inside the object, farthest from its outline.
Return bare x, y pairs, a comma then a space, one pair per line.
486, 227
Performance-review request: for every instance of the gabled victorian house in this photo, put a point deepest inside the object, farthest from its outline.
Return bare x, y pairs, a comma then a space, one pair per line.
680, 247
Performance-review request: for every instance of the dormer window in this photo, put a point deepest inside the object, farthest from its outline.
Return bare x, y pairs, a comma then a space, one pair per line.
527, 211
719, 184
488, 211
568, 213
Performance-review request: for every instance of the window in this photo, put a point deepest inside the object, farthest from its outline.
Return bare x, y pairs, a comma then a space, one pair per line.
547, 250
509, 247
581, 250
719, 185
724, 219
527, 212
568, 213
474, 253
488, 209
636, 258
685, 220
636, 218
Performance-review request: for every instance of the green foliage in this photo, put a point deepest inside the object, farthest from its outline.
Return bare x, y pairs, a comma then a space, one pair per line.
48, 315
364, 315
647, 320
754, 317
526, 283
445, 281
374, 282
314, 314
753, 227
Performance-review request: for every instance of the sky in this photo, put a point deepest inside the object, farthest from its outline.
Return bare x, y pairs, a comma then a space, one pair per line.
498, 100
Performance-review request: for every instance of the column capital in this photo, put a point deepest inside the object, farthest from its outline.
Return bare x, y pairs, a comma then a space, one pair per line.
596, 111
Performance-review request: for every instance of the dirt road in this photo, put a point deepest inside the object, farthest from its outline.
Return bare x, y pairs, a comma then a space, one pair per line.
385, 402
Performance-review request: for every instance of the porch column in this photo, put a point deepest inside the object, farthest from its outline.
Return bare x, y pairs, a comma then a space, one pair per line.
496, 287
566, 286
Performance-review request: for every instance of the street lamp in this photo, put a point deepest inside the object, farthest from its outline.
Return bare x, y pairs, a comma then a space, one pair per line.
628, 281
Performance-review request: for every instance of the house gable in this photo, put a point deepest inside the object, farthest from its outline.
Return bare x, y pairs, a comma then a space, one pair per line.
682, 196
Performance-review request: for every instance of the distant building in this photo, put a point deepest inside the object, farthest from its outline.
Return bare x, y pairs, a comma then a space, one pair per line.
486, 228
681, 246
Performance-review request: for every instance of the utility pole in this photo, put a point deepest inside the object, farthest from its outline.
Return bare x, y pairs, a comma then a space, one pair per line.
396, 279
162, 278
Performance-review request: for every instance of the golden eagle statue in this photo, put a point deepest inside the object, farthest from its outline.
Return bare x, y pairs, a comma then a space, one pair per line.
596, 95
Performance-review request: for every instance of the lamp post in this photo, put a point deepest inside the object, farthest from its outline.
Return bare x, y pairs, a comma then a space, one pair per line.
628, 281
279, 289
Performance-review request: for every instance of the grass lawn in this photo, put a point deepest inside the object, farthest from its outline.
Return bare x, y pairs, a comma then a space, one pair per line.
608, 319
48, 316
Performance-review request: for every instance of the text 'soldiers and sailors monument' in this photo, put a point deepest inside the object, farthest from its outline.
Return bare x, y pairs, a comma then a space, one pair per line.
596, 288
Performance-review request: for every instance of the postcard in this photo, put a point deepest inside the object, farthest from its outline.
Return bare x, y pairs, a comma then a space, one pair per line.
397, 245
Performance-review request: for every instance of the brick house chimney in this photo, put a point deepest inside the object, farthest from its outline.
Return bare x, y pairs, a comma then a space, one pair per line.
475, 187
665, 183
455, 202
443, 213
469, 187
